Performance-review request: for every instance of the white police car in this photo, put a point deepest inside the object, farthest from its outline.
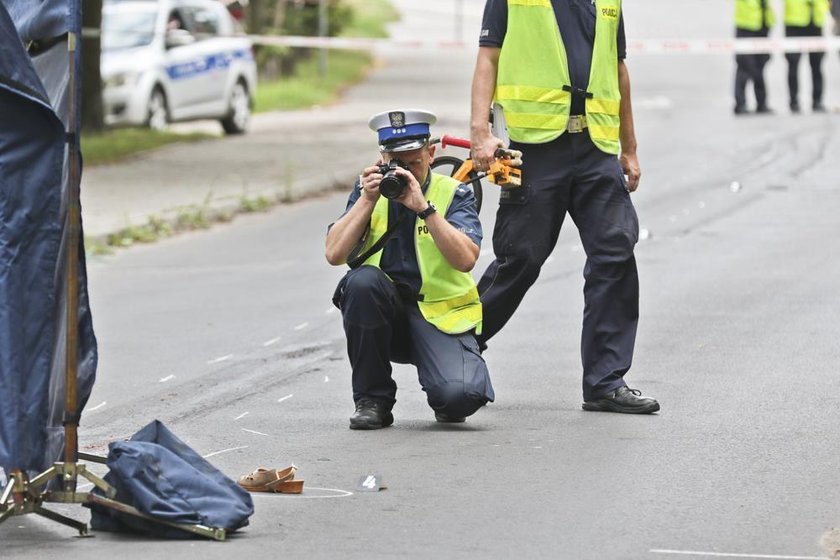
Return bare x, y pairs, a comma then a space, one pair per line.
175, 60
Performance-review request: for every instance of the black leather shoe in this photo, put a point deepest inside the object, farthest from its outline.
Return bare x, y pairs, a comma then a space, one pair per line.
763, 110
740, 110
819, 108
447, 419
371, 415
623, 399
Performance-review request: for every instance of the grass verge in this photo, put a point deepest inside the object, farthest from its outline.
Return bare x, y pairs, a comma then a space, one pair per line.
306, 87
115, 145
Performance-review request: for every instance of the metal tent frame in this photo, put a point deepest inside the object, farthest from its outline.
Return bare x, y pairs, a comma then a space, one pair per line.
23, 495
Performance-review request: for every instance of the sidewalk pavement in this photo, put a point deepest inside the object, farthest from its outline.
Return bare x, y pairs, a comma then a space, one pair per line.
289, 155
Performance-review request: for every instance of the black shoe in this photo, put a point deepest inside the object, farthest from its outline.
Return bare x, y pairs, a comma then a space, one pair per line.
794, 107
371, 415
740, 110
623, 399
818, 108
764, 110
447, 419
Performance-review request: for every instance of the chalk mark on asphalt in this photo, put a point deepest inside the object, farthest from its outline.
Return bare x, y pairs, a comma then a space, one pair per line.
225, 451
167, 378
301, 326
735, 555
330, 311
222, 359
281, 399
241, 416
338, 494
97, 407
326, 379
272, 341
254, 432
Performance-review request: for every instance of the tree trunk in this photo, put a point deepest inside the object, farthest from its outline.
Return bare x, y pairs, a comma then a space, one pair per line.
92, 112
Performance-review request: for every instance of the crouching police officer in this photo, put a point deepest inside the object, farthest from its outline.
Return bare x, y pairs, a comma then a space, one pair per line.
411, 238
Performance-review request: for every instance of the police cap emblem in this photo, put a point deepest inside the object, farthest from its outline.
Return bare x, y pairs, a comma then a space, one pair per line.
397, 119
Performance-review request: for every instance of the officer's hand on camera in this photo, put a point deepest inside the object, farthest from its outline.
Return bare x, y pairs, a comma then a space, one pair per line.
369, 180
412, 197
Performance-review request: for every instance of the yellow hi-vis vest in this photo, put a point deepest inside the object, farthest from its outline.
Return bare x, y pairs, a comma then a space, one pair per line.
533, 72
801, 13
748, 15
449, 297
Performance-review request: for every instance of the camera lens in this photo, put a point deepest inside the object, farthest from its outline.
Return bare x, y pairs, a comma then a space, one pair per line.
392, 185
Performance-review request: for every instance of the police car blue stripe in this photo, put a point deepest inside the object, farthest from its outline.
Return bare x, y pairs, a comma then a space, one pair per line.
206, 64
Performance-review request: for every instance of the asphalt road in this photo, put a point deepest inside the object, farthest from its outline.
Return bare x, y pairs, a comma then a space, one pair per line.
228, 336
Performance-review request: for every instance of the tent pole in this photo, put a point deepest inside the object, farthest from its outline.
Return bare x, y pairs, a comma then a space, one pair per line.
71, 420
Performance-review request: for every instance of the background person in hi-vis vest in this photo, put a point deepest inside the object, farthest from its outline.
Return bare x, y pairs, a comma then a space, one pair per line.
556, 67
805, 18
413, 301
753, 18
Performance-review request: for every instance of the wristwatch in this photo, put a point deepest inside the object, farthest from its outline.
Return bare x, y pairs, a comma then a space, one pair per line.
427, 212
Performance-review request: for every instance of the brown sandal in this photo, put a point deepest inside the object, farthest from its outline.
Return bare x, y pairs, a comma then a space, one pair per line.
260, 480
286, 483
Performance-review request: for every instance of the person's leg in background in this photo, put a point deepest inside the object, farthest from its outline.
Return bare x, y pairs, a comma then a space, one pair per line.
793, 80
816, 58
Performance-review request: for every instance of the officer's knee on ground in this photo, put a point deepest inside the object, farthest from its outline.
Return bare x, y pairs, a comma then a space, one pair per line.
451, 399
362, 286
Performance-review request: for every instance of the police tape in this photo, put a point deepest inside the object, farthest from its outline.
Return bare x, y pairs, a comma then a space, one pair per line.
642, 46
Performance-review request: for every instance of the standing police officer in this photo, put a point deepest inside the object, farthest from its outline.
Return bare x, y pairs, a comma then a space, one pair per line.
753, 18
805, 18
413, 301
556, 67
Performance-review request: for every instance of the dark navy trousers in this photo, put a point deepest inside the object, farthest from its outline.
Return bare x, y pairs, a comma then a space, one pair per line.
382, 328
571, 175
750, 68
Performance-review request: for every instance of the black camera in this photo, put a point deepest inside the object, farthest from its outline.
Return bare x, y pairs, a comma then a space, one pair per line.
392, 185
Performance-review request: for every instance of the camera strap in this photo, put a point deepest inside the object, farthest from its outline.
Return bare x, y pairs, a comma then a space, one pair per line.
355, 260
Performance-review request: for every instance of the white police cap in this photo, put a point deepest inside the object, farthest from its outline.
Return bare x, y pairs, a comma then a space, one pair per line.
402, 131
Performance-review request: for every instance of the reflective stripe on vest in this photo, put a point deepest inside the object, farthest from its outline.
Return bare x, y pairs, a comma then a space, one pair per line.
450, 297
802, 13
533, 69
748, 15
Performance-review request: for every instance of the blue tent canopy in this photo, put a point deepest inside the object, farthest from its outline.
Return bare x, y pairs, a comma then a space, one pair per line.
34, 180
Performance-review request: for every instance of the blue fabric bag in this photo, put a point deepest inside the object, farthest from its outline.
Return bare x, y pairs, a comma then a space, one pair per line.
162, 477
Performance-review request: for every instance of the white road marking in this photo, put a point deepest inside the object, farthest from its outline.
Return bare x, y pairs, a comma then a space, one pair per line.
222, 359
272, 341
326, 379
735, 555
301, 326
241, 416
167, 378
97, 407
224, 451
253, 432
281, 399
338, 493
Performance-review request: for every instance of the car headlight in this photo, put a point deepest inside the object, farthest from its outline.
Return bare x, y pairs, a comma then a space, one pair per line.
121, 79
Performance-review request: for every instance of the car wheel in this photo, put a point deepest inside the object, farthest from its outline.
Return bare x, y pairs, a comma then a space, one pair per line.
157, 113
239, 110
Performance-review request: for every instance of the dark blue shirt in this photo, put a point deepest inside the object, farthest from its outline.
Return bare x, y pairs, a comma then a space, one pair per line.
399, 258
576, 20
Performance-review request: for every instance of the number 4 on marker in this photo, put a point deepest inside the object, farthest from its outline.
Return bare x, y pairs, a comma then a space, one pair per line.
370, 483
